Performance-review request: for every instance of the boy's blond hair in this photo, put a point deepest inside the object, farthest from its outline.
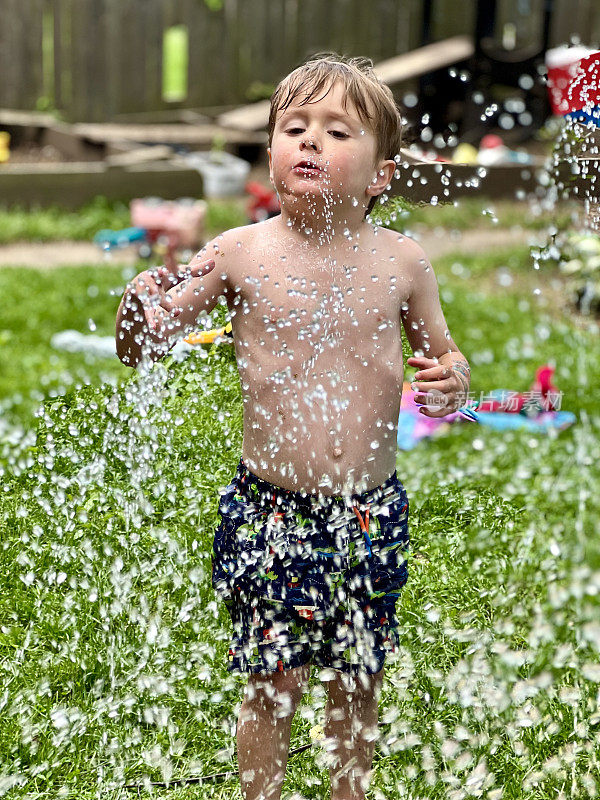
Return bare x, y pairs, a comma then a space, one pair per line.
372, 99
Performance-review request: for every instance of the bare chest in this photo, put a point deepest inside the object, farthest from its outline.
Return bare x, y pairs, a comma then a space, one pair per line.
305, 297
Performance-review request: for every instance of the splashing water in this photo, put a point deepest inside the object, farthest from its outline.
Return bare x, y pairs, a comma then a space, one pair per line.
114, 648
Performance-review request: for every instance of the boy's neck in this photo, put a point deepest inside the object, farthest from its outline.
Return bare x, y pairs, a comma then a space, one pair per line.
324, 226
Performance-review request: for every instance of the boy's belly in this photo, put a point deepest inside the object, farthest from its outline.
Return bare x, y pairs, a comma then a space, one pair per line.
331, 433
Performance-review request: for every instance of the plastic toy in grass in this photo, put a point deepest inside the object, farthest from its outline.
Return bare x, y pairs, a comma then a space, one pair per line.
573, 83
4, 146
217, 335
165, 228
543, 396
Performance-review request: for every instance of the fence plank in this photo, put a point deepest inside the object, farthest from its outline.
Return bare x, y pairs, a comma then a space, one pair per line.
58, 61
386, 19
135, 48
579, 18
277, 60
340, 30
264, 36
87, 59
209, 69
21, 53
31, 51
9, 64
304, 40
251, 29
233, 89
410, 26
290, 42
153, 52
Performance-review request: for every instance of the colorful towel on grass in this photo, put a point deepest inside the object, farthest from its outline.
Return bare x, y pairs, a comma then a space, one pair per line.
520, 412
501, 421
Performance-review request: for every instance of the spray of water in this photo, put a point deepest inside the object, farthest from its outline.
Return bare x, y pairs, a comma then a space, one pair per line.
114, 649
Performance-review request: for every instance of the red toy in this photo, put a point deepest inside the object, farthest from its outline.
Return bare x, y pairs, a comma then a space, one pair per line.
264, 203
543, 396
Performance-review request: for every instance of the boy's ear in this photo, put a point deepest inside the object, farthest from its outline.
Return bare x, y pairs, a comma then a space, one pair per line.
383, 177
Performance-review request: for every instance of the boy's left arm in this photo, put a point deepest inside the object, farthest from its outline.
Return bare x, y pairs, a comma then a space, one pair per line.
444, 375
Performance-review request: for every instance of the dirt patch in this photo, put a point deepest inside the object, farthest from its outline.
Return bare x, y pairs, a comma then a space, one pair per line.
48, 255
31, 153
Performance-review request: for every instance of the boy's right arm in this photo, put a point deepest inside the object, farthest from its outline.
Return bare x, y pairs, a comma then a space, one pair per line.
158, 305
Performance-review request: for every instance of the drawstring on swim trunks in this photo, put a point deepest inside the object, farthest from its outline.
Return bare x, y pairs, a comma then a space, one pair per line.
277, 515
364, 526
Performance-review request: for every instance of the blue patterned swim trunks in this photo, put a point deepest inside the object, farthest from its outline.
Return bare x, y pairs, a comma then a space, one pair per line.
310, 578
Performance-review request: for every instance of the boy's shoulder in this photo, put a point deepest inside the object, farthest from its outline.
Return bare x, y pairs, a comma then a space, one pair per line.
232, 249
233, 243
399, 240
229, 241
408, 251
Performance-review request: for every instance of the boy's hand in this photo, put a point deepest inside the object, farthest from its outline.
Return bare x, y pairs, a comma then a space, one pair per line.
152, 289
443, 391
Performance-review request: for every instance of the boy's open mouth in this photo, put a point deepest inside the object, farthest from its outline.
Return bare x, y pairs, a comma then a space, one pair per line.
307, 168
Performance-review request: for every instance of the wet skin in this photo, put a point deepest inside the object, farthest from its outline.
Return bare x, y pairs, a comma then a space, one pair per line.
320, 359
317, 298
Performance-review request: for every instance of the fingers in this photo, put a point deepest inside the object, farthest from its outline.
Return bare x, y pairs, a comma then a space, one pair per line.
439, 408
197, 268
436, 413
422, 362
445, 386
170, 305
149, 287
152, 289
437, 373
145, 288
201, 268
437, 403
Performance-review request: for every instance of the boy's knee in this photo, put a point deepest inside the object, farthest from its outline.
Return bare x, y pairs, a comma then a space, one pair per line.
361, 687
280, 693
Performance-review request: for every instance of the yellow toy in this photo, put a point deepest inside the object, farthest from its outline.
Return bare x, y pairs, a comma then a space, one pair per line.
465, 154
208, 337
4, 146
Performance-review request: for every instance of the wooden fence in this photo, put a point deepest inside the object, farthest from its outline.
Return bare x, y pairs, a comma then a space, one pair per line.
96, 59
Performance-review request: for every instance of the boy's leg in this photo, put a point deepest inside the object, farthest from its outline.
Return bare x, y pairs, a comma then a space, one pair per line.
351, 718
263, 730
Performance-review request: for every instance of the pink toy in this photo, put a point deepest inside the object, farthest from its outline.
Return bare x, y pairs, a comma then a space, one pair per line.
175, 224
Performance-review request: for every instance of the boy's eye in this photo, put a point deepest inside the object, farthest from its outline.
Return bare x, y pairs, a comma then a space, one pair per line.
339, 134
294, 130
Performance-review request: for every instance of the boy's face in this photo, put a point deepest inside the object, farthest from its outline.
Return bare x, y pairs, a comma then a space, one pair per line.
322, 148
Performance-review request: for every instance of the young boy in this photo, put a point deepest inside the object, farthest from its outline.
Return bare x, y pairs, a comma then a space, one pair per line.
310, 553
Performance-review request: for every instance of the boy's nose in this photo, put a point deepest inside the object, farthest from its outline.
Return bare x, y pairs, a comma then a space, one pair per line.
310, 143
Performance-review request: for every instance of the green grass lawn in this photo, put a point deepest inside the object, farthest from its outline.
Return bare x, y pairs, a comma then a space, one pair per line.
39, 304
467, 213
112, 648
